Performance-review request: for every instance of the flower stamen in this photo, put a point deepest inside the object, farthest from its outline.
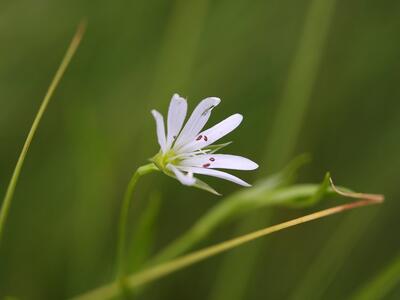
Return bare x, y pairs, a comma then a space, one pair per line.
186, 150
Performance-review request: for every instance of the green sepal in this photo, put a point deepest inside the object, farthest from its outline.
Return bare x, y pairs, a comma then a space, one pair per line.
217, 147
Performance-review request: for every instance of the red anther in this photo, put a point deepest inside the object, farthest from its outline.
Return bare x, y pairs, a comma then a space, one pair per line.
199, 138
206, 165
212, 159
205, 138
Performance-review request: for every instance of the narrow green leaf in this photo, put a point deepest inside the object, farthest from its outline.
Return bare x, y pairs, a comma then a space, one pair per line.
204, 186
234, 207
237, 205
144, 234
217, 147
382, 284
73, 46
318, 195
153, 273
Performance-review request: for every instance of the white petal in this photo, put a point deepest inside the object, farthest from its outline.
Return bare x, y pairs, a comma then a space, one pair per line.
185, 179
220, 161
197, 120
176, 117
160, 129
214, 133
215, 173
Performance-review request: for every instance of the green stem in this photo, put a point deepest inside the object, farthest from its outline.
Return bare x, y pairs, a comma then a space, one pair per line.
123, 219
382, 284
284, 135
233, 207
156, 272
5, 207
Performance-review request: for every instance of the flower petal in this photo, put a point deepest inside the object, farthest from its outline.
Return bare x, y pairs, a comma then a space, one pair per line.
215, 173
176, 117
185, 179
197, 120
214, 133
220, 161
160, 129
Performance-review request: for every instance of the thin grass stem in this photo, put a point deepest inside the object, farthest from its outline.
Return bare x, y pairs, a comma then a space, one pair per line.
161, 270
382, 283
73, 46
123, 220
283, 136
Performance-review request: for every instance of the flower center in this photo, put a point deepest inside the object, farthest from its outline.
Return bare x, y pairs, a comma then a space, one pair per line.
161, 160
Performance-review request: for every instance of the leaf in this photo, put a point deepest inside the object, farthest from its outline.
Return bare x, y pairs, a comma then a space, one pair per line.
204, 186
382, 283
144, 234
217, 147
163, 269
275, 181
9, 196
239, 204
300, 202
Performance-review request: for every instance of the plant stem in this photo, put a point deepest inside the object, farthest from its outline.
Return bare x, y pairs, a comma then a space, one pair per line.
234, 206
161, 270
282, 138
382, 284
123, 219
56, 79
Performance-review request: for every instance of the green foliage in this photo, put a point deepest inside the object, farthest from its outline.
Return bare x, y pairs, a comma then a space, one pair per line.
61, 230
268, 192
299, 201
380, 286
160, 270
217, 147
8, 197
144, 235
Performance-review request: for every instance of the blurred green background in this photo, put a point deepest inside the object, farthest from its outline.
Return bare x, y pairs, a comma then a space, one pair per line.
316, 76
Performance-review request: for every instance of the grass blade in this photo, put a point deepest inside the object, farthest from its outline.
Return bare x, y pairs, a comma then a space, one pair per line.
324, 268
382, 284
164, 269
267, 192
285, 130
143, 237
5, 207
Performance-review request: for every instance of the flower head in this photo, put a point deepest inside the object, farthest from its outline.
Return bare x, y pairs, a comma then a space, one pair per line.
187, 150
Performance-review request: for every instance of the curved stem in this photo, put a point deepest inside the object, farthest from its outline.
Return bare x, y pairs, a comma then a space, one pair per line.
109, 291
5, 207
123, 218
382, 283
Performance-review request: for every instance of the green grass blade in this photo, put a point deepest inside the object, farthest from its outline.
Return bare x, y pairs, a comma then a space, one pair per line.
164, 269
267, 192
330, 259
143, 237
56, 79
238, 284
300, 83
316, 197
382, 284
288, 119
179, 50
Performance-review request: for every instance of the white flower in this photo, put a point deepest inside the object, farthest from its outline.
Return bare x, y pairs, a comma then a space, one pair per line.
188, 150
